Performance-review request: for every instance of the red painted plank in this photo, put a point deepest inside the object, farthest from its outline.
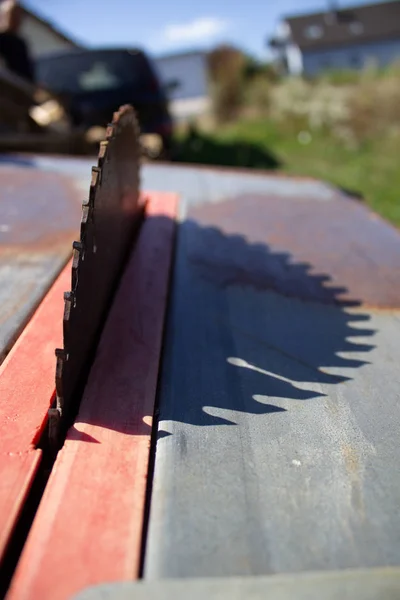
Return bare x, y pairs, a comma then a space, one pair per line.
26, 389
88, 527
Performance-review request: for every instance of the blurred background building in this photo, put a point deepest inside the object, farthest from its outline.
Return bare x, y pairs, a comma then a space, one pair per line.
190, 97
339, 38
43, 37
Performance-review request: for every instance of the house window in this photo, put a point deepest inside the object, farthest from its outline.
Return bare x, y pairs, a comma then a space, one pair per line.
314, 32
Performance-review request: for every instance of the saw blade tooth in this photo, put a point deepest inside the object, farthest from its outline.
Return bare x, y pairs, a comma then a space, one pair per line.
62, 358
69, 303
61, 354
59, 386
125, 109
94, 185
109, 131
102, 155
54, 420
74, 276
77, 246
78, 253
86, 213
102, 152
96, 177
75, 259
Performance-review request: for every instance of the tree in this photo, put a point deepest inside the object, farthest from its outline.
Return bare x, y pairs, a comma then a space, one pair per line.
226, 68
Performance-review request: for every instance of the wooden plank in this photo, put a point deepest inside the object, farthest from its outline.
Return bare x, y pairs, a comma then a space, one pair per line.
26, 390
88, 527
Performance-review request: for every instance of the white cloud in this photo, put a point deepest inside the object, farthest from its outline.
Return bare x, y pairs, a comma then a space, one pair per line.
199, 30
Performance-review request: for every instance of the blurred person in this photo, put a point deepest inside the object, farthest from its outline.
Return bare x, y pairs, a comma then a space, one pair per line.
13, 49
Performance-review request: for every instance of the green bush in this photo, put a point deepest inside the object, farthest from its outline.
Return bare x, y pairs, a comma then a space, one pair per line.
343, 127
257, 95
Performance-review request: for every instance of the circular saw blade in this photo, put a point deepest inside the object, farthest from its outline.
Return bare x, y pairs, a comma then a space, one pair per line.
110, 217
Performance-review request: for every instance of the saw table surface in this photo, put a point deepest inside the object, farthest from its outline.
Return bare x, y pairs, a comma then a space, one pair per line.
279, 396
39, 216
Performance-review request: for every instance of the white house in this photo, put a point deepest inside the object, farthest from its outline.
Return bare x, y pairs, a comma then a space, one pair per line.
190, 97
339, 38
42, 36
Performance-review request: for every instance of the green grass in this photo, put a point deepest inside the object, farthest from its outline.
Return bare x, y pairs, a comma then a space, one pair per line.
372, 171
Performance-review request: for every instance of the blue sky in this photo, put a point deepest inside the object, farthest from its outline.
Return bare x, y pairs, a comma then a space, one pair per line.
163, 26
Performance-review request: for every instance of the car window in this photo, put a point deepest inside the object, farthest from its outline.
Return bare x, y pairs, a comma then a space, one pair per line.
99, 76
92, 71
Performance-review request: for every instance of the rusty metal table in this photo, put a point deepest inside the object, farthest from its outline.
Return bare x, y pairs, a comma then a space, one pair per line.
39, 218
279, 403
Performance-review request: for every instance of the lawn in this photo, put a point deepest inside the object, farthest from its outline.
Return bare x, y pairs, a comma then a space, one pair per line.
371, 171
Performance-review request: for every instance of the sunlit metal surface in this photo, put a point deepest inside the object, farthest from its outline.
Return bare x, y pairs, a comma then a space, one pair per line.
279, 398
279, 402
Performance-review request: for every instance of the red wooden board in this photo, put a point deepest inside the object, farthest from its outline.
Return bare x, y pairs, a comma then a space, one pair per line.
26, 390
88, 528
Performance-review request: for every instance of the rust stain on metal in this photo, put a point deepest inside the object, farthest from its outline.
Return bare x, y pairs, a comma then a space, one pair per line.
333, 251
38, 211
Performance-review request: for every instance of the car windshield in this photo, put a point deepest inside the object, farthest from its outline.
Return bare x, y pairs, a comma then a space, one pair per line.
92, 71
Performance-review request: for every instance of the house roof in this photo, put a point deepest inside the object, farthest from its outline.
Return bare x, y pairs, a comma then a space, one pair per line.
51, 27
372, 22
